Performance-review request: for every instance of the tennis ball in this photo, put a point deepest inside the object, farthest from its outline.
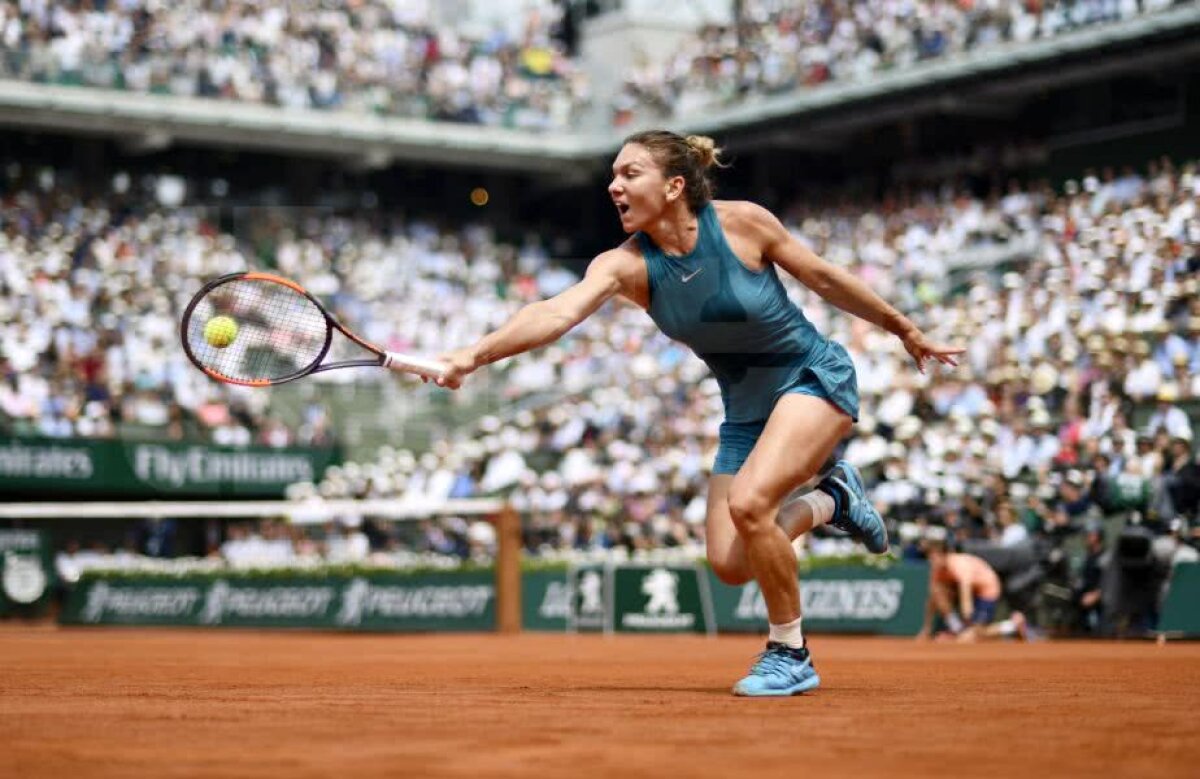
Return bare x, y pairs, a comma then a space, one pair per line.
220, 331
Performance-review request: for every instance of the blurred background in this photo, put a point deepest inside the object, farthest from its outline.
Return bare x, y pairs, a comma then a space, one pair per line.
1018, 176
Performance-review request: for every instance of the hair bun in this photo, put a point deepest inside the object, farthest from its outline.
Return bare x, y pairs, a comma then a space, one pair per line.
677, 155
705, 149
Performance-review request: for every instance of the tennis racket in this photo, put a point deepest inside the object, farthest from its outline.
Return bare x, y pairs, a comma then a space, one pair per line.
259, 329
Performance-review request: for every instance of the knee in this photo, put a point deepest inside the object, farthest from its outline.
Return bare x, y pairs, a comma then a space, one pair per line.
750, 510
731, 572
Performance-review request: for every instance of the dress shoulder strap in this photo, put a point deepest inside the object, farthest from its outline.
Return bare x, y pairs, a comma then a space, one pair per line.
654, 260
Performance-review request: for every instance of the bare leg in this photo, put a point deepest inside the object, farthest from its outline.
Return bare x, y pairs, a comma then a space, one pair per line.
773, 563
799, 436
729, 550
726, 552
1013, 626
940, 594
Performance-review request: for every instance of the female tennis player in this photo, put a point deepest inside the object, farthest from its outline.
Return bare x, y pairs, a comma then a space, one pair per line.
705, 271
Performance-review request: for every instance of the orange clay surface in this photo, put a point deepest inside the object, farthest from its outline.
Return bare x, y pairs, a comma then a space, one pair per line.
136, 702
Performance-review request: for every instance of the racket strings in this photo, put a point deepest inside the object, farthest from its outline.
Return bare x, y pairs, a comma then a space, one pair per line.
279, 331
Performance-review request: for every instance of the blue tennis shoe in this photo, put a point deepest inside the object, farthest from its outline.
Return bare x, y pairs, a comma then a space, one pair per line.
854, 514
779, 671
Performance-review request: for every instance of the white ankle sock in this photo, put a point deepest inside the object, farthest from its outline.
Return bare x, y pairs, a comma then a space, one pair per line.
789, 634
822, 506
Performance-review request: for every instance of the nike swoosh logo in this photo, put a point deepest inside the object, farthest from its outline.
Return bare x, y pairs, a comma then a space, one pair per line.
690, 276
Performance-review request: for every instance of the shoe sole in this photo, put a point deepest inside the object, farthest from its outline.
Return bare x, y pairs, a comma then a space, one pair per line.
855, 482
807, 685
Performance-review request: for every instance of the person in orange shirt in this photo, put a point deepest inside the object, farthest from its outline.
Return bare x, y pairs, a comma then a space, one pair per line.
964, 590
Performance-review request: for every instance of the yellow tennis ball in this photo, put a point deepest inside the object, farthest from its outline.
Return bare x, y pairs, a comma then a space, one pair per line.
220, 331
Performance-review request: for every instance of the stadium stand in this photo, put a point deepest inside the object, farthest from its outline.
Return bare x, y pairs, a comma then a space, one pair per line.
380, 58
775, 47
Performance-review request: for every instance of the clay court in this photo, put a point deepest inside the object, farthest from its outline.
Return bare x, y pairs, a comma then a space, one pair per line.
96, 702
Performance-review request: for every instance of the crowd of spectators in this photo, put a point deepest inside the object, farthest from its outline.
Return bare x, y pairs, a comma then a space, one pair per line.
1071, 404
155, 546
92, 286
403, 59
777, 46
1067, 421
368, 56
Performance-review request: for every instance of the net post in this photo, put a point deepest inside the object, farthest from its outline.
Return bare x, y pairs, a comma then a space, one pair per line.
508, 571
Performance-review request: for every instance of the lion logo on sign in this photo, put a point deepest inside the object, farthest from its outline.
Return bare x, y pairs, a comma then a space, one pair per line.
354, 601
214, 604
591, 592
662, 587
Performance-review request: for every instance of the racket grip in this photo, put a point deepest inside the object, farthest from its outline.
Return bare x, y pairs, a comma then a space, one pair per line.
407, 363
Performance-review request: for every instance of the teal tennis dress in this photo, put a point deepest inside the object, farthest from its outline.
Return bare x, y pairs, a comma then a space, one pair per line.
756, 341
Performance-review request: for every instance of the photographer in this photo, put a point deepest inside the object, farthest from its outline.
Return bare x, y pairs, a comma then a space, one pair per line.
1089, 591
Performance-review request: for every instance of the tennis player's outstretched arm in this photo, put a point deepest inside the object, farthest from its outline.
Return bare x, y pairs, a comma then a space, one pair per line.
838, 286
543, 322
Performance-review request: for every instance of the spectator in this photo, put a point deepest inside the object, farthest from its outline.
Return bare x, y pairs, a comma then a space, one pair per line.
1169, 417
1180, 491
1012, 532
1089, 592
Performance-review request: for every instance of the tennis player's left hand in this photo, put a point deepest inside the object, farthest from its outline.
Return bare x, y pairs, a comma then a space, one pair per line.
922, 349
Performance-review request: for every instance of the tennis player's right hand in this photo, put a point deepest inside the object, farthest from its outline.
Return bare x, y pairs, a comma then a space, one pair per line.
459, 364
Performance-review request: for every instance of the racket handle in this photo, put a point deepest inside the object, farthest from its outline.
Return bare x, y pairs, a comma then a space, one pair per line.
407, 363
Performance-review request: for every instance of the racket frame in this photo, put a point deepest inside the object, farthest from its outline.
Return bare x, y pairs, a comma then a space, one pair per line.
382, 358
